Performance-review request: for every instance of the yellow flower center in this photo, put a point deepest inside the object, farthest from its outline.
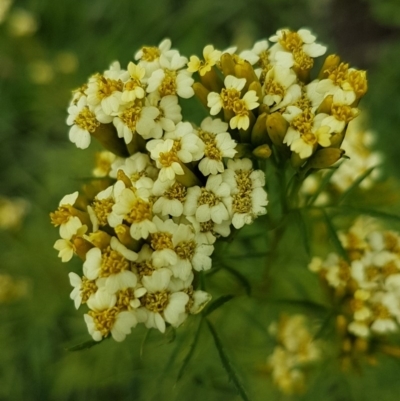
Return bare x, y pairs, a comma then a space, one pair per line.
61, 215
208, 198
241, 202
160, 241
358, 81
290, 41
167, 158
339, 74
102, 208
185, 249
104, 320
131, 116
302, 60
271, 87
155, 302
107, 86
177, 191
144, 268
150, 53
112, 262
207, 226
343, 112
124, 297
303, 122
86, 120
88, 288
141, 211
168, 85
229, 97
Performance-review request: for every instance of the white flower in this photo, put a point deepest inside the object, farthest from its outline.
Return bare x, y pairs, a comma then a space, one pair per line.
112, 264
169, 114
295, 48
342, 113
133, 89
134, 207
83, 123
83, 289
280, 88
165, 154
66, 247
106, 90
218, 145
161, 305
230, 99
300, 137
211, 57
248, 197
150, 56
135, 118
102, 310
169, 79
171, 197
65, 217
207, 203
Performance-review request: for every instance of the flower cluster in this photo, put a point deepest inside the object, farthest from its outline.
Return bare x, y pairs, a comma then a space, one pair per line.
295, 350
167, 190
368, 281
361, 158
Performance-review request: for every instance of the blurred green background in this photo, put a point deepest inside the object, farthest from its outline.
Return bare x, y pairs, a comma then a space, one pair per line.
48, 48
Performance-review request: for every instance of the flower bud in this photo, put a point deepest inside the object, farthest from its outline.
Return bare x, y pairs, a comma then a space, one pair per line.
276, 128
123, 233
100, 239
262, 151
201, 92
211, 81
330, 63
325, 157
245, 70
227, 64
81, 247
259, 134
325, 106
106, 134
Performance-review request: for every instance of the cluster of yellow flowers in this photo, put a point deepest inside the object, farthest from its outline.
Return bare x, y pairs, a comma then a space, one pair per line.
170, 187
365, 283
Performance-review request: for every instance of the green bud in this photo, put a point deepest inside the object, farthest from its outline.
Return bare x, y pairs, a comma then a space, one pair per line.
259, 134
276, 128
201, 92
262, 151
324, 158
107, 135
212, 81
227, 64
330, 63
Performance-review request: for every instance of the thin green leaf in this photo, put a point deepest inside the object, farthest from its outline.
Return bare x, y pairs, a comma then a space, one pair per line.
226, 363
300, 303
239, 277
85, 345
304, 232
192, 347
370, 212
334, 237
356, 184
324, 183
217, 304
